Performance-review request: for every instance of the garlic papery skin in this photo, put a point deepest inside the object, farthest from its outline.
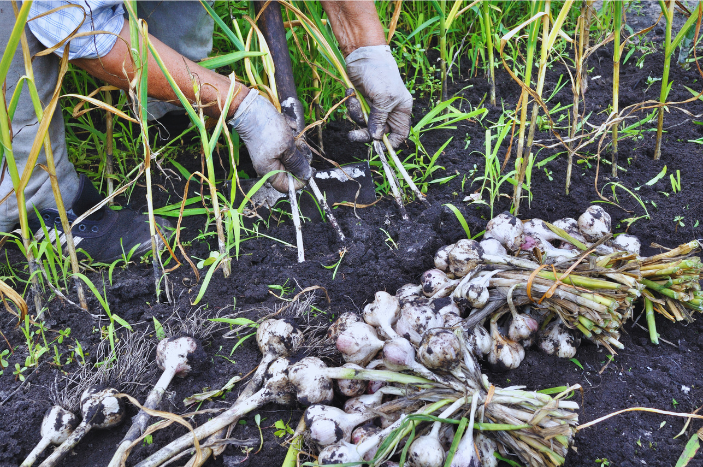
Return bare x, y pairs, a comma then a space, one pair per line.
594, 224
486, 449
492, 246
408, 292
341, 323
441, 258
363, 431
557, 339
341, 453
383, 313
440, 350
436, 284
473, 292
444, 306
350, 387
479, 340
505, 354
452, 320
464, 257
628, 243
426, 451
415, 319
329, 425
362, 404
311, 384
507, 229
56, 427
359, 343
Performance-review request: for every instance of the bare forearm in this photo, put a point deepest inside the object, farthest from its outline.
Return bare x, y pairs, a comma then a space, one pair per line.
355, 24
112, 68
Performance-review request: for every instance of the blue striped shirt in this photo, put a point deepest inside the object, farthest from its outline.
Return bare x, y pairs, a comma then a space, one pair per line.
90, 15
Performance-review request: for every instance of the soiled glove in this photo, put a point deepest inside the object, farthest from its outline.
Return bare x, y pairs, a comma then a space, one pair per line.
375, 75
271, 142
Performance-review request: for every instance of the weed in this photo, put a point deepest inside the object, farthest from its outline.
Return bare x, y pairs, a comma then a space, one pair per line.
19, 372
4, 363
335, 266
282, 429
389, 240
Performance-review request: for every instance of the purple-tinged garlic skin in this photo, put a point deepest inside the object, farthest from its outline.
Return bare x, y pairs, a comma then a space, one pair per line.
364, 431
341, 323
311, 385
522, 327
465, 257
415, 319
627, 242
557, 339
440, 350
441, 258
507, 229
359, 343
350, 387
491, 246
594, 224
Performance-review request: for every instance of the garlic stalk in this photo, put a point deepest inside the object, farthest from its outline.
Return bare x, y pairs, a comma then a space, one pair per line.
359, 343
56, 427
383, 313
173, 356
465, 455
427, 451
543, 236
570, 226
276, 389
99, 409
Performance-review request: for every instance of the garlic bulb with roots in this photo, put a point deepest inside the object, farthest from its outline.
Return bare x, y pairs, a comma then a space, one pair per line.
56, 427
350, 387
468, 254
329, 425
415, 319
492, 246
341, 323
627, 242
440, 349
99, 409
594, 224
311, 385
522, 326
486, 449
359, 343
408, 292
383, 313
557, 339
436, 284
441, 258
399, 355
505, 354
507, 229
479, 341
472, 292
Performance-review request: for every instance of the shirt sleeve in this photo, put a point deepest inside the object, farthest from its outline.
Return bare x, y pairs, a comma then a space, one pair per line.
94, 15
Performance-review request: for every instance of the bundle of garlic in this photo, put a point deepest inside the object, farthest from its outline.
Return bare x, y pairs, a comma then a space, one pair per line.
410, 333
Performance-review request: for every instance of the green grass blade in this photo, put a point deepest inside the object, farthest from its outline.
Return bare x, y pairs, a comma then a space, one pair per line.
460, 218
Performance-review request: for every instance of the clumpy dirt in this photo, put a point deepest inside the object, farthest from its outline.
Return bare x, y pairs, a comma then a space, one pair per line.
385, 253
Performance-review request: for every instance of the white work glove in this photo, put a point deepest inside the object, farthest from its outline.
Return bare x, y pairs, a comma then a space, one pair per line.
375, 75
271, 142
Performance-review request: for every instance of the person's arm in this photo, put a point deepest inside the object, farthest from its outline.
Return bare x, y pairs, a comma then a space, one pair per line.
372, 70
355, 24
112, 67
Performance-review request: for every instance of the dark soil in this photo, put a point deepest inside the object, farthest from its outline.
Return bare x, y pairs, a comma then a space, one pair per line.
667, 377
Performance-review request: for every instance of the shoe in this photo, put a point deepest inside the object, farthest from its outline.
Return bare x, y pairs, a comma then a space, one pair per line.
104, 235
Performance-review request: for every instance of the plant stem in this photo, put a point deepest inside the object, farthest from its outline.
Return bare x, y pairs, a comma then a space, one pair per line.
487, 28
617, 27
443, 48
669, 14
109, 139
296, 218
651, 324
328, 212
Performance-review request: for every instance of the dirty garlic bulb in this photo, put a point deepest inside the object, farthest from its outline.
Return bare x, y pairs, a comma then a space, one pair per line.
441, 258
479, 341
359, 343
492, 246
56, 427
440, 350
329, 425
627, 242
505, 354
436, 284
507, 229
351, 387
594, 224
383, 313
311, 385
341, 323
416, 318
570, 226
557, 339
486, 448
399, 355
408, 292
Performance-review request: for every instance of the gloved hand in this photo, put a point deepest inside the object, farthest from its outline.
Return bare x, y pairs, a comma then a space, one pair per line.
375, 75
271, 142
